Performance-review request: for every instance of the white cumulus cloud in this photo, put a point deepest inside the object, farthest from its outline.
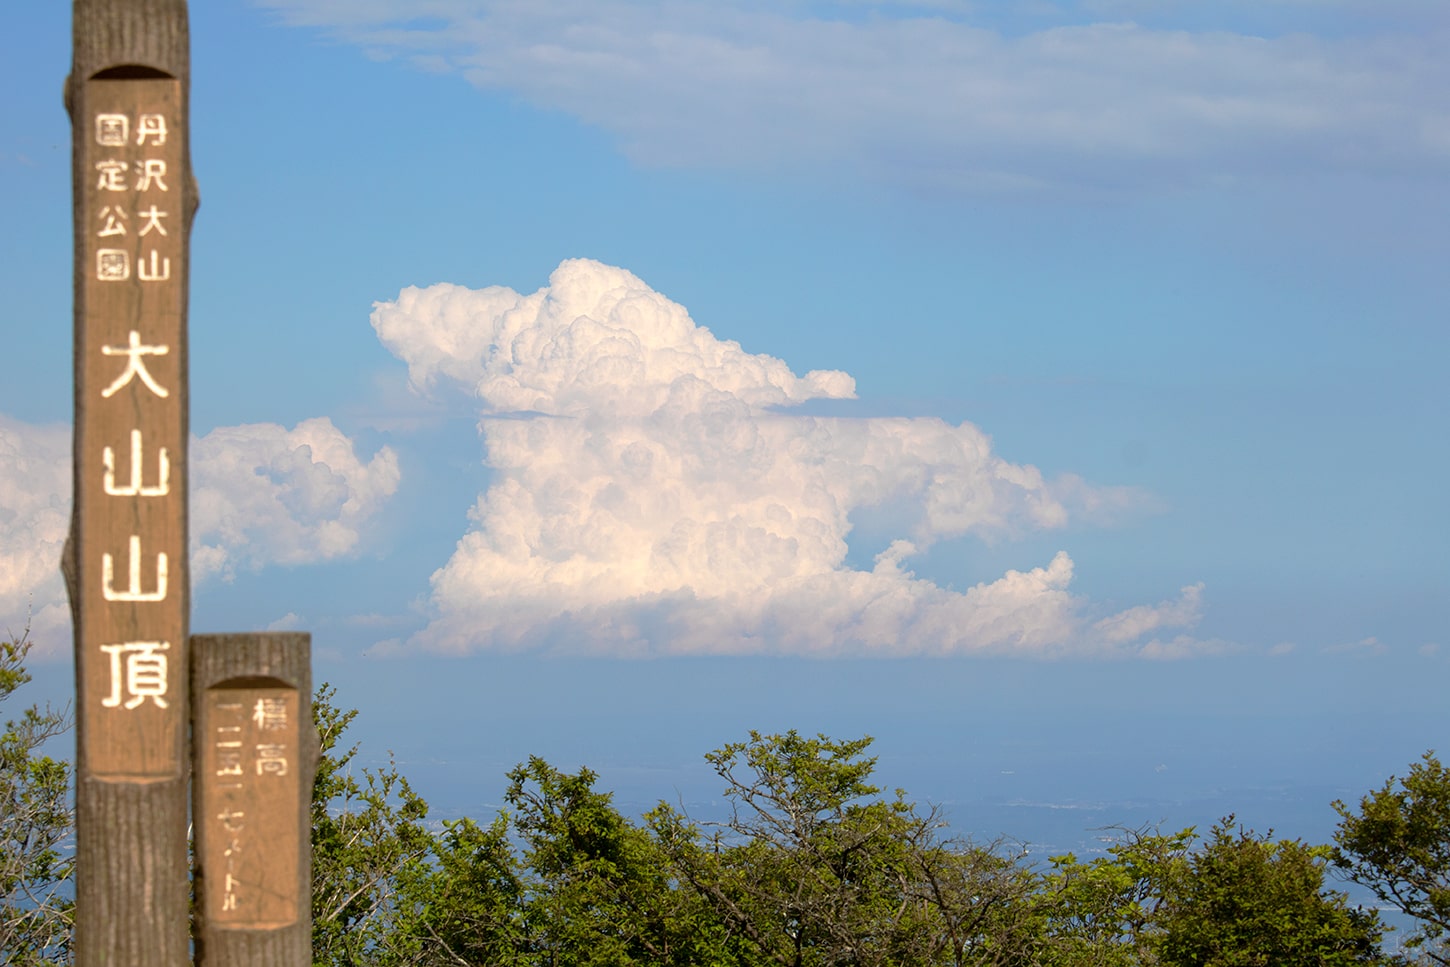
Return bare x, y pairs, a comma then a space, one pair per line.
261, 494
654, 493
35, 486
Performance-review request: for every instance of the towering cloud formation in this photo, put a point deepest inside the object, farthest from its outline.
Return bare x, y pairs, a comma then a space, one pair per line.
654, 493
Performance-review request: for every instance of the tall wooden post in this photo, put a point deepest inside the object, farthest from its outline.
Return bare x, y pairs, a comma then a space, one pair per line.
126, 559
255, 756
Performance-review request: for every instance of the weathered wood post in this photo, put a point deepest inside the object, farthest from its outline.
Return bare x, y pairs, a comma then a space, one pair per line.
126, 559
255, 756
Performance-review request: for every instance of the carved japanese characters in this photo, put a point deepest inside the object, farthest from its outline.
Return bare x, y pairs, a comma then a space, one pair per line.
131, 428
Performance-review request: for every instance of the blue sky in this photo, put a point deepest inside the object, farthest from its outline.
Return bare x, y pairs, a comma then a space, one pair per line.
1053, 390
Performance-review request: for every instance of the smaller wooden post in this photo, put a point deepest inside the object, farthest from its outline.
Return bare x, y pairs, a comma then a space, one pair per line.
254, 752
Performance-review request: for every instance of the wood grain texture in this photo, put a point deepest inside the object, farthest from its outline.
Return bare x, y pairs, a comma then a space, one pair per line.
131, 430
130, 58
255, 755
132, 890
106, 34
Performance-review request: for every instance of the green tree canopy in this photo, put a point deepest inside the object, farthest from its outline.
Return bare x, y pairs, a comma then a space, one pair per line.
1243, 900
36, 820
814, 866
1398, 845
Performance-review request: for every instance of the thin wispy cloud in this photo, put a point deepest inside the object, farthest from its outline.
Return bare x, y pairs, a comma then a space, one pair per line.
653, 493
1077, 98
1364, 647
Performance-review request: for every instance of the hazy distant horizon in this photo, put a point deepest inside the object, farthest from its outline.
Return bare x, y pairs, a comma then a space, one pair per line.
1054, 391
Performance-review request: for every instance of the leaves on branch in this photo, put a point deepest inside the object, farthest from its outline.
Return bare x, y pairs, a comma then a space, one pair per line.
36, 822
815, 867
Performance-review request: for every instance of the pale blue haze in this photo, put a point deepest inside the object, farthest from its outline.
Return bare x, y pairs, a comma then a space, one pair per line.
1257, 346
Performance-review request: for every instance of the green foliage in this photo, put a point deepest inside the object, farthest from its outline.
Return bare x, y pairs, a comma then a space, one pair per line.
597, 891
981, 903
1398, 845
36, 821
1103, 912
807, 870
368, 837
463, 906
563, 879
1248, 901
814, 867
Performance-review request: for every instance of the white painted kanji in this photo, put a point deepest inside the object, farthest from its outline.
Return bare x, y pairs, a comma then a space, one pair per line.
151, 126
112, 175
153, 221
136, 488
270, 714
115, 218
271, 759
228, 762
113, 265
112, 130
157, 270
135, 366
133, 590
152, 170
138, 673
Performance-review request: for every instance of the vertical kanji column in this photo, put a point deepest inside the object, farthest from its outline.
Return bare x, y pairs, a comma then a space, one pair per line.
126, 561
255, 752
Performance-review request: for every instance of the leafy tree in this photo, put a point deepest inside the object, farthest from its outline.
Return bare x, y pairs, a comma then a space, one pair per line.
803, 870
36, 821
464, 907
814, 867
1102, 912
981, 900
367, 837
598, 886
1247, 901
1398, 845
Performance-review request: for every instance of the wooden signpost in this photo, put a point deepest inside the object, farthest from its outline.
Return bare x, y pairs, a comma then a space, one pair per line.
126, 562
255, 756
